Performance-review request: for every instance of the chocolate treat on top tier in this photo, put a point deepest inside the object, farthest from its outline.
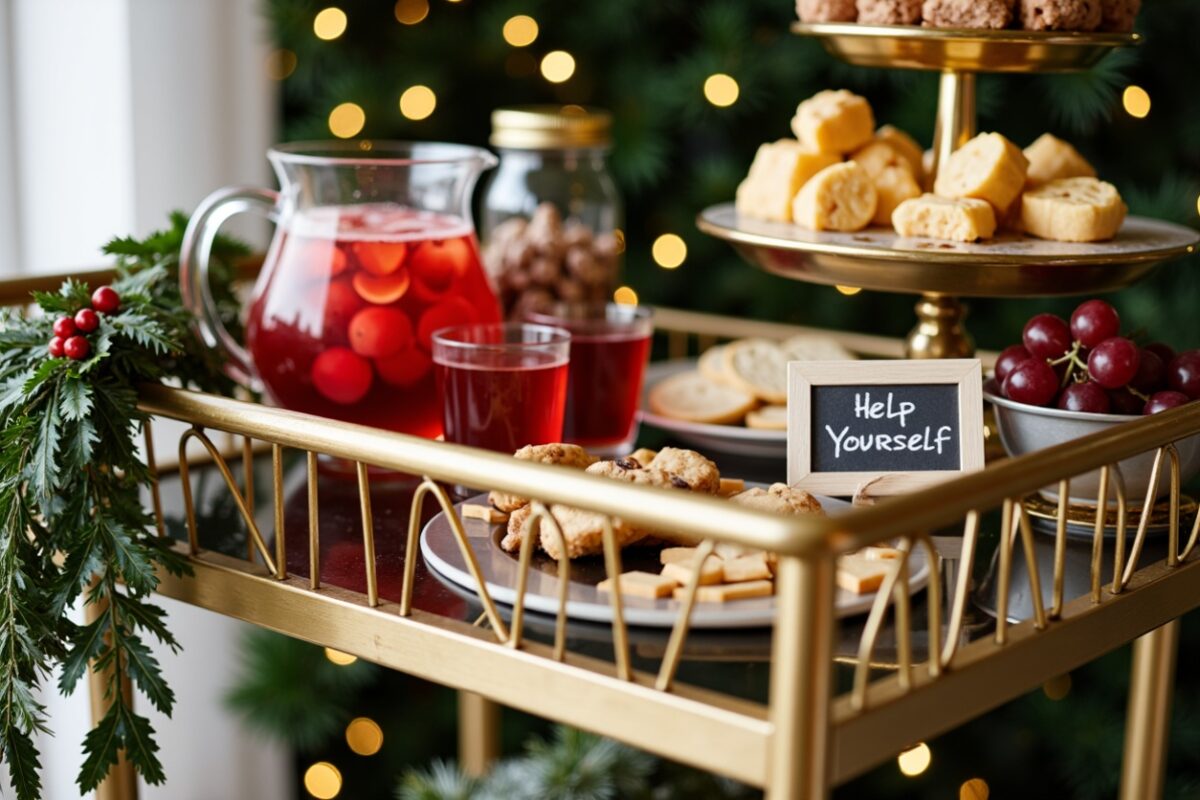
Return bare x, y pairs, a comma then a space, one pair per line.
967, 13
1118, 15
1059, 15
889, 12
826, 10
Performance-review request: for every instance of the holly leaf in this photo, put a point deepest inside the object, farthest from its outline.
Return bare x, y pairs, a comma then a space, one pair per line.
44, 466
87, 646
75, 399
136, 569
145, 671
102, 746
23, 764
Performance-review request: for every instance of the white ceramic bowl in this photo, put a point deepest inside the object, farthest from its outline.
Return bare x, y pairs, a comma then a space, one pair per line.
1024, 429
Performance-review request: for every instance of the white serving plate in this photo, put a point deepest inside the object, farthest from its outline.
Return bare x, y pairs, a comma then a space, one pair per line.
733, 439
584, 602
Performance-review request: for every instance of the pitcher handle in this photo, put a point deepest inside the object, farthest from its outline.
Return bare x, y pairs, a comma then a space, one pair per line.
194, 258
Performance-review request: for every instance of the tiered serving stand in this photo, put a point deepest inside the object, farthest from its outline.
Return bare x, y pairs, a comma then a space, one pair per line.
941, 272
794, 709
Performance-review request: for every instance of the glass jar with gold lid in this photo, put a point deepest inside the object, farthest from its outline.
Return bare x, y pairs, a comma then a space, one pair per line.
551, 213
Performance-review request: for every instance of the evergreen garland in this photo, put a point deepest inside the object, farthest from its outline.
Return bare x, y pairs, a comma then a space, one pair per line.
72, 523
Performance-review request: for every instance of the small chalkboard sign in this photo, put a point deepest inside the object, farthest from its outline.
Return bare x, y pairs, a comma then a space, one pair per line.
902, 425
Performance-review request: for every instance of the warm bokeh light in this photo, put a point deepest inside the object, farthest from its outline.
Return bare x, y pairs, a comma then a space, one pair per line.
1057, 688
339, 658
1136, 101
619, 235
974, 789
330, 23
1198, 205
558, 66
364, 736
915, 761
323, 780
669, 251
410, 12
520, 30
624, 296
281, 64
347, 120
849, 291
721, 90
418, 102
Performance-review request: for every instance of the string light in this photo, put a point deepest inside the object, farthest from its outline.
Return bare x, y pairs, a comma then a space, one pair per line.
347, 120
418, 102
1136, 101
330, 23
669, 251
520, 30
323, 780
410, 12
281, 64
339, 658
624, 296
364, 736
915, 761
974, 789
1198, 205
1057, 688
558, 66
721, 90
849, 291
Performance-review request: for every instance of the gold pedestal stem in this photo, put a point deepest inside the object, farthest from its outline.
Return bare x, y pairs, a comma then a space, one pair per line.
940, 332
955, 117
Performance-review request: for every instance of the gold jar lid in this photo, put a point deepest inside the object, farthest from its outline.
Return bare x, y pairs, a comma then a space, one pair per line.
551, 127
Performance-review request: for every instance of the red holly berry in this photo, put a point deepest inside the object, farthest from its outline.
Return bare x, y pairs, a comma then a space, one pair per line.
76, 348
106, 300
64, 327
87, 320
56, 347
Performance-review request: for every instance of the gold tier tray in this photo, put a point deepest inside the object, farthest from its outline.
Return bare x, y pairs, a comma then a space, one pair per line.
1008, 266
913, 47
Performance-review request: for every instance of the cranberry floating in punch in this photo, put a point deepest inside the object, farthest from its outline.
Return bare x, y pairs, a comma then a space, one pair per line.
374, 251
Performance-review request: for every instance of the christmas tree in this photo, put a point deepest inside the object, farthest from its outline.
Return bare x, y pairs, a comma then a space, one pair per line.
694, 89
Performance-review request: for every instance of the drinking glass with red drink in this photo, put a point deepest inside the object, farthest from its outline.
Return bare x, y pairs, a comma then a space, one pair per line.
374, 250
610, 345
502, 386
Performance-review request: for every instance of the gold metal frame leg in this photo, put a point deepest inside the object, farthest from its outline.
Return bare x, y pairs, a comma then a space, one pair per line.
801, 666
1148, 719
478, 732
121, 783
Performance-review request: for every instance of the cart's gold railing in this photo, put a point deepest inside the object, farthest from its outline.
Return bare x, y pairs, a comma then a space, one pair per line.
800, 708
804, 739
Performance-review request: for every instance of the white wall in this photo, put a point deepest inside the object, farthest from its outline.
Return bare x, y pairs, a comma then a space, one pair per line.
112, 113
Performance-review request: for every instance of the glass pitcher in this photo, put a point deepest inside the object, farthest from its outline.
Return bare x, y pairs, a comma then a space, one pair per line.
374, 250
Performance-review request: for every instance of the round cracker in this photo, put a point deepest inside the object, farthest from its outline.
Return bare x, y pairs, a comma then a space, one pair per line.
692, 397
814, 347
712, 365
768, 418
758, 366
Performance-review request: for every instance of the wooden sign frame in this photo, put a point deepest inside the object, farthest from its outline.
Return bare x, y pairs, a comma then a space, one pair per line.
804, 375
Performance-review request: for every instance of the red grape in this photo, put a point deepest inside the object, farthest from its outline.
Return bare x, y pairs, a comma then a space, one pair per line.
1032, 382
1009, 358
1124, 401
1163, 350
1114, 362
1151, 374
1046, 336
1088, 396
1161, 401
1184, 373
1094, 321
